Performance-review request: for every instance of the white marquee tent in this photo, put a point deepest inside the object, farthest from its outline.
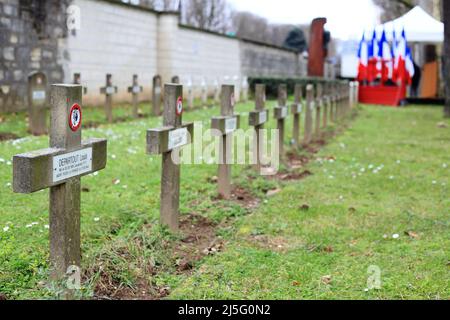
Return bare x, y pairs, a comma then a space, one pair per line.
419, 27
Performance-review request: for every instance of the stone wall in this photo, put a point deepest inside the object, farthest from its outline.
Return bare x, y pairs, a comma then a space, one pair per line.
261, 60
29, 35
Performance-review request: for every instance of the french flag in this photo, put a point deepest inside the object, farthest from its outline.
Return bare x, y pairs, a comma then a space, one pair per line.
409, 66
400, 59
385, 53
363, 57
374, 59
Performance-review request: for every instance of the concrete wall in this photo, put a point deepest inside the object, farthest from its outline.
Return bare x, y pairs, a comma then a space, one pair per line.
113, 39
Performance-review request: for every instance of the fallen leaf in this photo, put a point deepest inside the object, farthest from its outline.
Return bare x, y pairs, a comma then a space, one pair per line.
3, 297
116, 181
412, 234
351, 210
328, 249
326, 279
213, 179
296, 283
271, 193
305, 207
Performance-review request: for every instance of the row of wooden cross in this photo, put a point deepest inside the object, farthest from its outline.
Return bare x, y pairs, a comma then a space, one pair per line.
68, 158
37, 97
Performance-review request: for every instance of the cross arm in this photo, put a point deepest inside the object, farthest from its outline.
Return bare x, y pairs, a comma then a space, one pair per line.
34, 171
166, 139
135, 89
226, 124
280, 113
109, 90
297, 108
257, 118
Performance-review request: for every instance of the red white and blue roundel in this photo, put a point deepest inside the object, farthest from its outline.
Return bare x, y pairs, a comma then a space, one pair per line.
75, 117
179, 109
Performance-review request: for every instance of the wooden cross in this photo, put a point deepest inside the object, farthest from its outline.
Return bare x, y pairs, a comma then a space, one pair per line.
109, 90
280, 114
204, 93
156, 95
60, 168
318, 109
77, 80
37, 103
296, 110
325, 105
245, 89
216, 91
227, 123
257, 119
135, 89
310, 107
173, 135
190, 93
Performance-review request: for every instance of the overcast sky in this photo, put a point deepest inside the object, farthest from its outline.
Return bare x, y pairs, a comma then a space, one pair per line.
346, 18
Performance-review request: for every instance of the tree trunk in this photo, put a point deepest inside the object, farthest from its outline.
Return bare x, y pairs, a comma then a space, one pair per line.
446, 15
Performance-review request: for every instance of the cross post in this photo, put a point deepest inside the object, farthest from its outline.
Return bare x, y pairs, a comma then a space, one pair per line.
77, 80
257, 119
226, 124
156, 95
135, 89
171, 137
280, 114
319, 102
60, 168
37, 103
109, 90
310, 107
296, 110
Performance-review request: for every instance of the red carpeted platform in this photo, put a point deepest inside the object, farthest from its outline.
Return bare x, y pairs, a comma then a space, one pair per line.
382, 95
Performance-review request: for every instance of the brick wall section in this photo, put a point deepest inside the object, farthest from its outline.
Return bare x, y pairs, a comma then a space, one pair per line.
28, 43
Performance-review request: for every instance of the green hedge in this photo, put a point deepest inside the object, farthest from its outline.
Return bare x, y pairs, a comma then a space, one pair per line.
273, 83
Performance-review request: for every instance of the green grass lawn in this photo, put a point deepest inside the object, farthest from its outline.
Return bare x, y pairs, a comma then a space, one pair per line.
386, 175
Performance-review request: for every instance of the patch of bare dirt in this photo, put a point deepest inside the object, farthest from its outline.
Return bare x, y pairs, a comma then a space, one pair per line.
4, 136
198, 239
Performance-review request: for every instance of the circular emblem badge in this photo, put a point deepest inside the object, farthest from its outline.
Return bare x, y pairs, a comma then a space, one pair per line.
179, 109
75, 117
233, 100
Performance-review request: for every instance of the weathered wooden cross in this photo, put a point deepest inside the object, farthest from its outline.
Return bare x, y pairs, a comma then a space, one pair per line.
37, 103
257, 119
77, 80
296, 110
156, 95
226, 124
280, 114
204, 89
135, 89
60, 168
310, 107
319, 102
325, 105
109, 90
172, 136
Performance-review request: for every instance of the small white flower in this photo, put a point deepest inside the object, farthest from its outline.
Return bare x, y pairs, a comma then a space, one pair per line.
96, 219
391, 178
2, 160
331, 177
46, 226
443, 184
341, 198
445, 166
434, 182
8, 184
113, 156
398, 162
8, 163
363, 170
371, 166
116, 182
375, 171
385, 236
395, 236
125, 187
366, 290
95, 173
6, 229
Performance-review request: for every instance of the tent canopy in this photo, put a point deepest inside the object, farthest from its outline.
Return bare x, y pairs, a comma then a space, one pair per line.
419, 27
